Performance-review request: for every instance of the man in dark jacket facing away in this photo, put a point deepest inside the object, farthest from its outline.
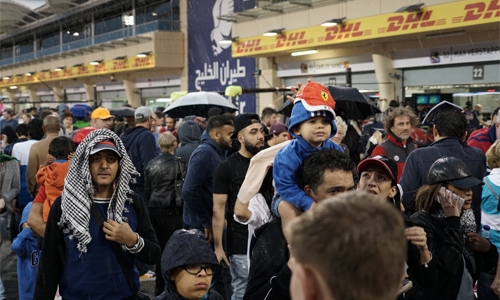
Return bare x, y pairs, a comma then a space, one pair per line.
449, 133
197, 189
189, 135
165, 205
141, 146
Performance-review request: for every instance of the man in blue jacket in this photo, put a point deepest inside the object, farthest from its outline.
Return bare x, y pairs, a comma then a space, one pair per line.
449, 133
141, 146
197, 189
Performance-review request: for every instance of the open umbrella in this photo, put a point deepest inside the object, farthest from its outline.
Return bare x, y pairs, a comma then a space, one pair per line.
349, 102
122, 112
198, 104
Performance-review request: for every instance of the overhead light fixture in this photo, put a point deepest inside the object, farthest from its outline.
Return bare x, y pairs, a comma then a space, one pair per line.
76, 33
96, 62
29, 73
144, 54
120, 58
59, 68
305, 52
274, 32
411, 8
6, 77
445, 34
333, 22
228, 41
13, 87
154, 14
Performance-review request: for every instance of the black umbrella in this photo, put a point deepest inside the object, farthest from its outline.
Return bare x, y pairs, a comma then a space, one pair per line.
349, 102
122, 112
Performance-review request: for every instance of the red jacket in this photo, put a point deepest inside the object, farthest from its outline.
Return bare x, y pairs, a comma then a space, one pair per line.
394, 148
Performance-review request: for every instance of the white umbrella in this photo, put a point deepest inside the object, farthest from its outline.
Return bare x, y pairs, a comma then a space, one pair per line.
198, 104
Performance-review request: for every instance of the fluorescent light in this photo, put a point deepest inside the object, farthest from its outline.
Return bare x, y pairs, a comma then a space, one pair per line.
164, 100
6, 77
154, 14
76, 34
29, 73
143, 54
13, 87
273, 32
333, 22
228, 41
59, 68
305, 52
96, 62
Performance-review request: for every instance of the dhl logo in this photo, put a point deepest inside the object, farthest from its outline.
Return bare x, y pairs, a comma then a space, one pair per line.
19, 79
83, 70
481, 10
54, 74
344, 31
119, 65
68, 72
248, 46
412, 21
41, 76
291, 39
99, 68
142, 61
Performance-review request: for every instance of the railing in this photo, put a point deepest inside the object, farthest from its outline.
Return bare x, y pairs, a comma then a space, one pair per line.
159, 25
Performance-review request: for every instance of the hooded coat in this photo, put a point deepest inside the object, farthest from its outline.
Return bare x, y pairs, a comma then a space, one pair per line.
52, 178
183, 248
189, 135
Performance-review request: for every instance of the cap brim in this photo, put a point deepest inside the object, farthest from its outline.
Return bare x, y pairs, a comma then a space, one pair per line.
315, 107
371, 161
99, 148
465, 183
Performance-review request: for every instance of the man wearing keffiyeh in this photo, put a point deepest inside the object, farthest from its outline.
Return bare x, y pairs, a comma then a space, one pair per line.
77, 253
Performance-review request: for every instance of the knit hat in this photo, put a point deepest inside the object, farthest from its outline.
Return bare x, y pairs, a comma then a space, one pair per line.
313, 99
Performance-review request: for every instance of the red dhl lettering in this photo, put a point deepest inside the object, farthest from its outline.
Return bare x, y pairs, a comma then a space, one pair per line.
68, 72
478, 10
118, 65
248, 46
343, 31
291, 39
53, 74
83, 70
413, 21
141, 61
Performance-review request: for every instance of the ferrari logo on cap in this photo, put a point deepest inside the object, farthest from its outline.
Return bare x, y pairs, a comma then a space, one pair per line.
324, 95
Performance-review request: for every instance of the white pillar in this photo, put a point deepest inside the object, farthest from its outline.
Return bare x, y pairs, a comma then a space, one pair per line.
132, 93
58, 93
387, 86
89, 93
269, 73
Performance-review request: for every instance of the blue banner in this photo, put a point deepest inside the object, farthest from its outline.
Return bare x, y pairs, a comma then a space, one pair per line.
210, 65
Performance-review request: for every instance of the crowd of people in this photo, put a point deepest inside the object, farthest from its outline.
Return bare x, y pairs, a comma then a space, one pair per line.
244, 206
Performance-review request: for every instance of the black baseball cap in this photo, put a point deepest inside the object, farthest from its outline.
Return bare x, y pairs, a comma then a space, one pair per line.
241, 121
453, 171
381, 160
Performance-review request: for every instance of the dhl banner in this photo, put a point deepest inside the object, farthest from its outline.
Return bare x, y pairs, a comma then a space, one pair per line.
457, 14
105, 67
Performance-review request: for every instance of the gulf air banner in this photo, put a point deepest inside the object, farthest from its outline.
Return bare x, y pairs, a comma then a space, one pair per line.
453, 15
104, 67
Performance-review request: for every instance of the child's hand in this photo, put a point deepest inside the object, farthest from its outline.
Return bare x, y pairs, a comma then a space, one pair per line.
48, 160
70, 156
295, 91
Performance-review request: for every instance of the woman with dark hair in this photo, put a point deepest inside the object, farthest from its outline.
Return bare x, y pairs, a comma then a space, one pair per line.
189, 266
8, 136
445, 212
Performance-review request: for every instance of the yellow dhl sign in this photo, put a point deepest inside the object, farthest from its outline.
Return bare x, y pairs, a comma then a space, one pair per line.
438, 17
105, 67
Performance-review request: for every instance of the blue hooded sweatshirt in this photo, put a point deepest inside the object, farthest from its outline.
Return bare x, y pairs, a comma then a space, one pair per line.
197, 189
141, 148
289, 161
24, 245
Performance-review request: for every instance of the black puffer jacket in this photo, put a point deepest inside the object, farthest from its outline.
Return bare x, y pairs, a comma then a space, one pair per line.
183, 248
160, 178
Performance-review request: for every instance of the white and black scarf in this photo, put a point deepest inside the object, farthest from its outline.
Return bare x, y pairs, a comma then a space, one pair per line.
78, 193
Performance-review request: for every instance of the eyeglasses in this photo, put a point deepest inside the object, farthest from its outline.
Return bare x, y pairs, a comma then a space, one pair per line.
196, 269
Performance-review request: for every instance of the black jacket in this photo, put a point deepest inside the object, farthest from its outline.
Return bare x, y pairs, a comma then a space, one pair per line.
186, 247
445, 240
159, 180
269, 275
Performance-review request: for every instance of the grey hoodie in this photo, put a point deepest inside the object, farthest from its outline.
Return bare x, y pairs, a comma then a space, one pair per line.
189, 135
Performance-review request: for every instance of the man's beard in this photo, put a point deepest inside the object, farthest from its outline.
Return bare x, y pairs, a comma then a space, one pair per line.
224, 145
252, 148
